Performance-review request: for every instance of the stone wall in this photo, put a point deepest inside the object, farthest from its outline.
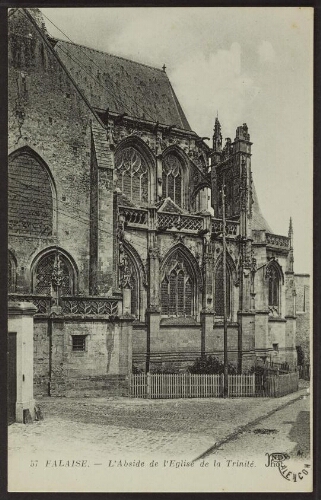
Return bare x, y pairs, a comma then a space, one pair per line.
101, 369
303, 321
48, 115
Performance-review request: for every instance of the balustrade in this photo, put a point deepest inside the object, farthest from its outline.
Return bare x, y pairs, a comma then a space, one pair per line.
276, 240
134, 216
231, 227
177, 221
42, 302
89, 306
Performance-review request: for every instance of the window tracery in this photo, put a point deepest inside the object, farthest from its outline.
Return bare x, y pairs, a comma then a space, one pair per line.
132, 173
172, 178
177, 288
45, 272
273, 276
30, 201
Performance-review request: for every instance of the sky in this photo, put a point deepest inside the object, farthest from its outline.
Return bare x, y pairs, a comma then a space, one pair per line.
249, 65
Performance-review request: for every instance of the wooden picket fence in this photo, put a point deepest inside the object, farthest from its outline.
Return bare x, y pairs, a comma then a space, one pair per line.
280, 385
186, 385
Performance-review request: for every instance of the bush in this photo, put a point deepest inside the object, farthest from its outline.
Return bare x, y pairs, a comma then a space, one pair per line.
136, 370
210, 365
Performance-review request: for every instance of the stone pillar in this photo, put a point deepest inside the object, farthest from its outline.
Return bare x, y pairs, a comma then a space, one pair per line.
207, 313
153, 303
125, 344
246, 338
159, 177
106, 275
207, 322
21, 321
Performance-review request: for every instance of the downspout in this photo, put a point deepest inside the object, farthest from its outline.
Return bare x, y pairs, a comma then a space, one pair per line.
50, 354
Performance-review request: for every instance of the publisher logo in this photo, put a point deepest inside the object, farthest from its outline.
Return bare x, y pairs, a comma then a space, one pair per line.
290, 469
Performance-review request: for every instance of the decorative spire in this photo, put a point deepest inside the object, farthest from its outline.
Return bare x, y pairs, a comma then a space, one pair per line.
291, 254
290, 230
217, 137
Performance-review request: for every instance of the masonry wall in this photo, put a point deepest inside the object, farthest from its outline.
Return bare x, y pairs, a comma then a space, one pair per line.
47, 114
101, 369
303, 320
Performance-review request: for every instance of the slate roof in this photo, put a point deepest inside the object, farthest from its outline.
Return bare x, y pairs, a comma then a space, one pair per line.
258, 220
122, 85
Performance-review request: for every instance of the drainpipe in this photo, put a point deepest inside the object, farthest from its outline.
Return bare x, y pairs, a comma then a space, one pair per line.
50, 354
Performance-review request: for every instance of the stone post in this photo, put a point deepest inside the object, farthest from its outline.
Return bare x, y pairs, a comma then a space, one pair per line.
21, 321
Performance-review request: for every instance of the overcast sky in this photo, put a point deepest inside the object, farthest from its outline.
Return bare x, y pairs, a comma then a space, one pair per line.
252, 65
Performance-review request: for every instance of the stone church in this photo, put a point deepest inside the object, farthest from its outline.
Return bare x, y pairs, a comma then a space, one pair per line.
115, 224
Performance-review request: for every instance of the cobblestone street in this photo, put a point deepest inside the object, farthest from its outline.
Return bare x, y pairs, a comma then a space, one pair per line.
139, 427
103, 430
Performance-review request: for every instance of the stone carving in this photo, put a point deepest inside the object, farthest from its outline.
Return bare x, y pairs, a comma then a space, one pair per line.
277, 241
134, 215
89, 306
125, 272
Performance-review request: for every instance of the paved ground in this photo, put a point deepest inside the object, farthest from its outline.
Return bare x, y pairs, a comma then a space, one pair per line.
103, 429
287, 431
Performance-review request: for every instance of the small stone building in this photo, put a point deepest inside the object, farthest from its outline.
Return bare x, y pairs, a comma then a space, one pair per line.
115, 223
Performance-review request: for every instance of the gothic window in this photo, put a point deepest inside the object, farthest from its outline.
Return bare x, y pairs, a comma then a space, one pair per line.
177, 288
172, 178
132, 173
219, 296
30, 201
274, 287
12, 273
44, 272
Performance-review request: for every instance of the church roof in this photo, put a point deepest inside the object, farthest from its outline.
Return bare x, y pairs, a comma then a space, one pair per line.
122, 85
258, 220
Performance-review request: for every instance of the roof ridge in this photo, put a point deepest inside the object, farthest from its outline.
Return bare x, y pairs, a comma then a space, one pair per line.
111, 55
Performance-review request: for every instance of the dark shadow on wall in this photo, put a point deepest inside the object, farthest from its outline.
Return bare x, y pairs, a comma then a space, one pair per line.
300, 434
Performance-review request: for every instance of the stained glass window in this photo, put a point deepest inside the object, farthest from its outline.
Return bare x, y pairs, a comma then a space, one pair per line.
132, 173
44, 274
219, 296
172, 179
30, 202
177, 288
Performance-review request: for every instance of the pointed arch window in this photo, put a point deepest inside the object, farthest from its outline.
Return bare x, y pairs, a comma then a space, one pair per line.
132, 173
219, 296
12, 273
172, 178
44, 273
273, 276
177, 288
30, 200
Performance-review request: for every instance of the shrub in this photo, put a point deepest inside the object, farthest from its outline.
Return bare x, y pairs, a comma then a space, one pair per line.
136, 370
210, 365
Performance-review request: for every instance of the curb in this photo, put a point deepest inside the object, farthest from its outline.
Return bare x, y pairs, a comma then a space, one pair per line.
251, 423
